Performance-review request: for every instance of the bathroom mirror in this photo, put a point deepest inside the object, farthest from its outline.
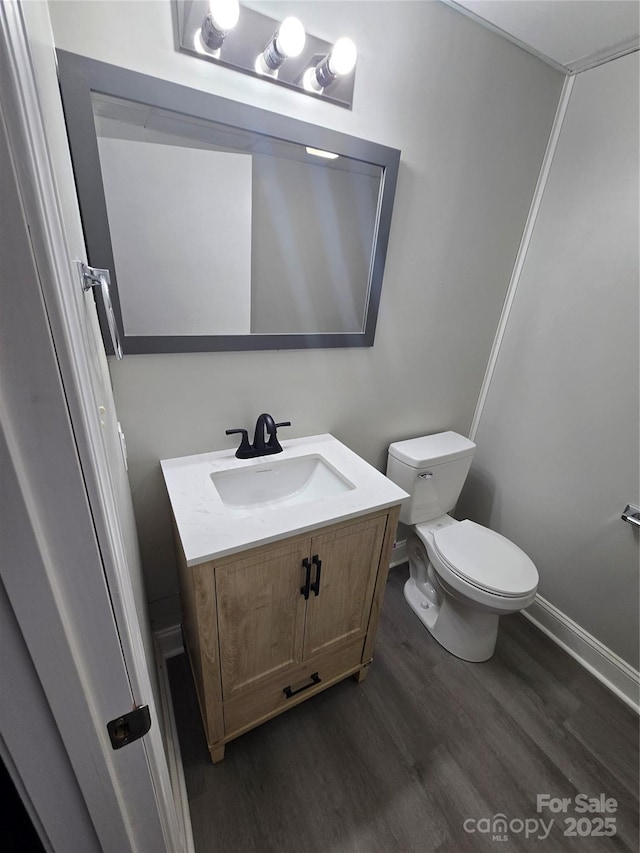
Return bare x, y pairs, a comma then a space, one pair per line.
224, 226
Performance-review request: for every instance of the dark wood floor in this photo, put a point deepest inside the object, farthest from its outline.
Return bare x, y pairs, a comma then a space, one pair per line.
398, 763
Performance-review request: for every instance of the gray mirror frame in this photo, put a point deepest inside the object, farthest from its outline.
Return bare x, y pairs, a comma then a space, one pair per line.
80, 76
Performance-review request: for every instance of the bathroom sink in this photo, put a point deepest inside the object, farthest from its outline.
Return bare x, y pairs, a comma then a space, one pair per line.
277, 484
223, 505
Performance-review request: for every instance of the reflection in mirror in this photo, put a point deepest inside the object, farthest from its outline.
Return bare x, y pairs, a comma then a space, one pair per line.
225, 227
268, 238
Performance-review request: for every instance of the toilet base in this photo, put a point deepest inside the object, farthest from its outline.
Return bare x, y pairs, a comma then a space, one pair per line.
466, 632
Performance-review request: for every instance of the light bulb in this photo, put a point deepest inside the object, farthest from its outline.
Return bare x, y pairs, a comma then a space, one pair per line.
222, 16
342, 58
291, 37
288, 40
224, 13
310, 81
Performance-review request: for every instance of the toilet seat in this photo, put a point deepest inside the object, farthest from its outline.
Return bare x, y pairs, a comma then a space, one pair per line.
485, 559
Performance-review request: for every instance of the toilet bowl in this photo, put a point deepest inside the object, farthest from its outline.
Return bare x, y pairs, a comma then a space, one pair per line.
462, 576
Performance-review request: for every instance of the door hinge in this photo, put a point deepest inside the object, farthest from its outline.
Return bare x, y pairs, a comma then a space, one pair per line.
124, 730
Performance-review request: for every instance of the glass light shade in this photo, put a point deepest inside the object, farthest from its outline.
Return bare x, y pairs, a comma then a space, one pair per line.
291, 37
225, 13
343, 56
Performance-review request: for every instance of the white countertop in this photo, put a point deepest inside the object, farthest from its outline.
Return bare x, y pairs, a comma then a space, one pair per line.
208, 529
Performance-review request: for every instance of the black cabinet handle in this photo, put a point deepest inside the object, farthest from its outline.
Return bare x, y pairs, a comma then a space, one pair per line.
315, 679
304, 590
315, 586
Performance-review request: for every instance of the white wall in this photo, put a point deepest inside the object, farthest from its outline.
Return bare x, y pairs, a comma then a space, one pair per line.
471, 114
557, 456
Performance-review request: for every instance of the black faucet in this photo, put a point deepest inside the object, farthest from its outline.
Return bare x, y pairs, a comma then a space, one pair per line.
260, 447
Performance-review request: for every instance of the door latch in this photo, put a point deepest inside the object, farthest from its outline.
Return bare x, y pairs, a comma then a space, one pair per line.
129, 727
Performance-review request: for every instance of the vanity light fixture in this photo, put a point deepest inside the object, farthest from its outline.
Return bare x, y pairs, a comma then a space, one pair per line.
340, 61
236, 36
287, 42
318, 152
222, 16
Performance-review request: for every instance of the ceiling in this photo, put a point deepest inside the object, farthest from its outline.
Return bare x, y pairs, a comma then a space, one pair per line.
571, 35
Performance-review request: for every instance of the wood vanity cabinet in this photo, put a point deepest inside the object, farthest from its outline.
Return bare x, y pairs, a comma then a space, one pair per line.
271, 626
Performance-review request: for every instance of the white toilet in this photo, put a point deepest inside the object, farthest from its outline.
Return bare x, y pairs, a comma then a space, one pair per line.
462, 575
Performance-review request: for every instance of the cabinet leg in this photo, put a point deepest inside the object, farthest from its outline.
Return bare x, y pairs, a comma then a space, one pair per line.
361, 674
216, 753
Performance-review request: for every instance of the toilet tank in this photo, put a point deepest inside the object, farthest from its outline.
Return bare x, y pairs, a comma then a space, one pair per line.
433, 470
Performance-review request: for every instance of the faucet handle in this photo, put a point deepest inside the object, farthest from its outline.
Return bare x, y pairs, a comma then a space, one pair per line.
273, 444
245, 451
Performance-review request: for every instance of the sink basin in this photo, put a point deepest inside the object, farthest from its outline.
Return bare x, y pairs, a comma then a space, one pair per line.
223, 505
278, 483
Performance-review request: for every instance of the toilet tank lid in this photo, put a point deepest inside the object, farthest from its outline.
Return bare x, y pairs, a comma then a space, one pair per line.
431, 449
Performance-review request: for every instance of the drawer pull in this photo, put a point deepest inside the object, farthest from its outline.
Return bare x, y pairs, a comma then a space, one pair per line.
315, 679
304, 590
315, 586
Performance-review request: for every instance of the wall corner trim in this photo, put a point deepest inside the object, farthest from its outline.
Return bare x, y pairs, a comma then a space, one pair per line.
610, 669
523, 248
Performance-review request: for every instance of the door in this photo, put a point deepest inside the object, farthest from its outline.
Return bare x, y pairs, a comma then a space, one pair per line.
346, 563
70, 576
260, 615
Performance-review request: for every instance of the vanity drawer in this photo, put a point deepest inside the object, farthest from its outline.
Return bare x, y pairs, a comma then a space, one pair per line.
253, 706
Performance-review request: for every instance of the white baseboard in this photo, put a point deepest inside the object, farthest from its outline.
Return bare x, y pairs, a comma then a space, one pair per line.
615, 673
168, 643
399, 554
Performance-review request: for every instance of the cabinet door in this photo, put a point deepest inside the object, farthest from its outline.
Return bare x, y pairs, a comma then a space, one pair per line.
261, 615
349, 565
